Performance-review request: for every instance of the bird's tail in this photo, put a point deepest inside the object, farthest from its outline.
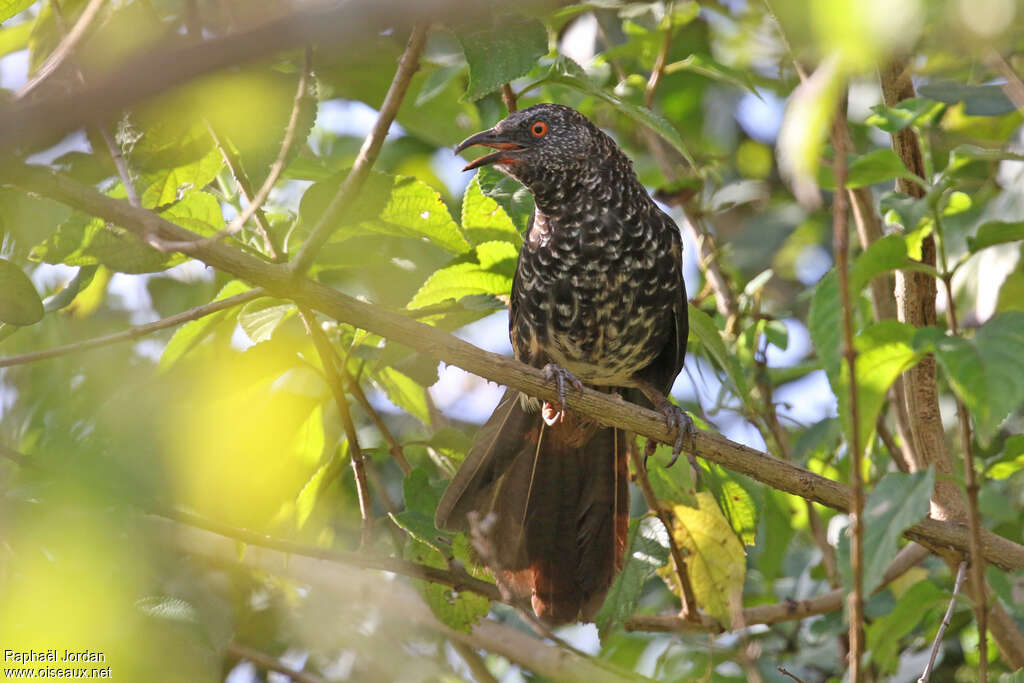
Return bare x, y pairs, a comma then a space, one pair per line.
554, 500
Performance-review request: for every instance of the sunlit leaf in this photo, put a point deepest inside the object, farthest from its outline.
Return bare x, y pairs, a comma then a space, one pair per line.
8, 8
995, 232
874, 167
260, 318
483, 219
917, 110
190, 334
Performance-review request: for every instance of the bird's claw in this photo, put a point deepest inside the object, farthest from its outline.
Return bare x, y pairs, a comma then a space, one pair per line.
677, 420
560, 376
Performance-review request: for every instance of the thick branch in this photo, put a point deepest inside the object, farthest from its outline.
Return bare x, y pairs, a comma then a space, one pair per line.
609, 410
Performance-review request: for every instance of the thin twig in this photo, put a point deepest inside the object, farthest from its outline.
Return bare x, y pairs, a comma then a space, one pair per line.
269, 663
841, 240
1014, 87
134, 332
475, 663
255, 201
335, 381
394, 447
64, 49
977, 565
508, 96
960, 573
658, 70
688, 609
436, 343
785, 672
408, 64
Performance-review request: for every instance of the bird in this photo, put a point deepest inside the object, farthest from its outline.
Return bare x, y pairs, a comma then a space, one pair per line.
598, 298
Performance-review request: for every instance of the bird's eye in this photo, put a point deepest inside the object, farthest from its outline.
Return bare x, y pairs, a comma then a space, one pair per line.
539, 129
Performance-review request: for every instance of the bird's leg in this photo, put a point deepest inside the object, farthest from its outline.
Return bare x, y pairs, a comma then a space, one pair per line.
676, 419
560, 376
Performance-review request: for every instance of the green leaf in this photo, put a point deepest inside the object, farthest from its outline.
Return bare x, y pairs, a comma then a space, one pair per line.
884, 351
995, 232
908, 211
189, 335
459, 610
1010, 461
488, 269
1011, 293
823, 323
884, 633
907, 113
261, 317
881, 256
986, 372
737, 497
436, 81
568, 73
414, 209
874, 167
502, 52
897, 502
647, 552
163, 186
19, 301
716, 562
8, 8
198, 211
672, 485
483, 219
515, 199
979, 100
705, 65
403, 392
703, 328
14, 38
821, 437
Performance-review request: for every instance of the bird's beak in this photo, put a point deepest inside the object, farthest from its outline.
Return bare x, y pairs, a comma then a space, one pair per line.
489, 138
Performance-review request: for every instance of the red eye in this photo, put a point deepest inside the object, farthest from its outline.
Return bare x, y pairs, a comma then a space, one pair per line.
539, 129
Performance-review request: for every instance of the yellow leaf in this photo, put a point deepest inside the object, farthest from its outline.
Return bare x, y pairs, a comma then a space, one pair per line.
716, 562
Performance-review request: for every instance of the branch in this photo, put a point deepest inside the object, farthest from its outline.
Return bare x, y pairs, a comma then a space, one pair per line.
436, 343
134, 332
268, 663
787, 610
508, 96
408, 64
64, 49
164, 65
841, 241
926, 676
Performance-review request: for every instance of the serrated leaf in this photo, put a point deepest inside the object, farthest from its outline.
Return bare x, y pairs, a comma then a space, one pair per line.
260, 318
459, 610
995, 232
190, 334
199, 212
515, 199
436, 81
414, 209
483, 219
646, 553
167, 607
500, 53
488, 270
738, 499
163, 186
19, 301
897, 502
715, 562
306, 500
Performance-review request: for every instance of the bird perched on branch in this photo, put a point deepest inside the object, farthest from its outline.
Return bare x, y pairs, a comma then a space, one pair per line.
598, 298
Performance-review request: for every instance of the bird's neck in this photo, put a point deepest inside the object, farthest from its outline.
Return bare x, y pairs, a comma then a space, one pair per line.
575, 196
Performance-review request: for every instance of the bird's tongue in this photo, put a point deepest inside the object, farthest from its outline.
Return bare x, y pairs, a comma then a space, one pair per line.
499, 157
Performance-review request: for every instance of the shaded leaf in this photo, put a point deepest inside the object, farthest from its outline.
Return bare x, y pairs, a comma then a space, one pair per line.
501, 52
995, 232
646, 552
703, 328
403, 392
867, 169
979, 100
19, 301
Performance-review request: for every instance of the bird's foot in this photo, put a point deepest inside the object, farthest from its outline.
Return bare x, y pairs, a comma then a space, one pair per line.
682, 424
559, 375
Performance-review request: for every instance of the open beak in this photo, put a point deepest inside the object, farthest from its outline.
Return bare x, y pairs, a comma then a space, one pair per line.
489, 138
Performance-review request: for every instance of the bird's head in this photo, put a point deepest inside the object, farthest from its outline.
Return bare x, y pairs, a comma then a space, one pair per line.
542, 140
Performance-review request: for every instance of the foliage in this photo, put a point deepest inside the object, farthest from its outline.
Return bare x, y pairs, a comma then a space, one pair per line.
233, 416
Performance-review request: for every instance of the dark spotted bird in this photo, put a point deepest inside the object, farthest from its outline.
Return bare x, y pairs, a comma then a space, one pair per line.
598, 298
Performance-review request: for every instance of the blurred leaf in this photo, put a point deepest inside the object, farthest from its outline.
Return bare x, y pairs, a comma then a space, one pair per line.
821, 437
907, 113
672, 485
261, 317
823, 323
502, 52
483, 219
995, 232
705, 65
716, 562
190, 334
908, 210
807, 121
898, 501
14, 38
19, 301
1010, 461
436, 81
488, 269
867, 169
884, 633
979, 100
646, 552
161, 187
1011, 293
310, 493
8, 8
